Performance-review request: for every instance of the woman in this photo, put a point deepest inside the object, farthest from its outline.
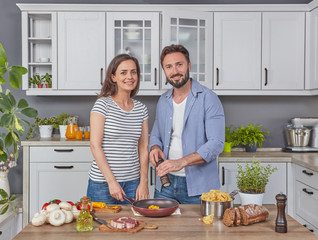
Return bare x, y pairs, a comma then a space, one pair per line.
119, 136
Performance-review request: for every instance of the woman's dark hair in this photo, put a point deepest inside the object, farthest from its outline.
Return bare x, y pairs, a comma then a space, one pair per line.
109, 87
174, 48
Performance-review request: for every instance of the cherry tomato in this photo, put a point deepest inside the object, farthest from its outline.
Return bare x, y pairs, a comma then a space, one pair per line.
79, 206
45, 205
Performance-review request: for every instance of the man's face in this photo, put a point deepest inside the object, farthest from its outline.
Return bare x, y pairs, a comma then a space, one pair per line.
176, 69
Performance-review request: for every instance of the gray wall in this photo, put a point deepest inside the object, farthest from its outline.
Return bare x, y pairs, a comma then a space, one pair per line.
271, 112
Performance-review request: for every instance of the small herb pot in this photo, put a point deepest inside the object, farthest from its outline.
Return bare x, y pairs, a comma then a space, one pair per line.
227, 147
251, 198
251, 148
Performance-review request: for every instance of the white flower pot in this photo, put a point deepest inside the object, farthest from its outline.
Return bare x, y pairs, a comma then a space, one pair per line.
4, 182
63, 131
45, 131
251, 198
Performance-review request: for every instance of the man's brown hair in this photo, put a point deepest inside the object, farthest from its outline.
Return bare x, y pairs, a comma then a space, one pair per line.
174, 48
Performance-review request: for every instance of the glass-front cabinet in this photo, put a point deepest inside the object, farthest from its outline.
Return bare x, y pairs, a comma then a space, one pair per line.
39, 50
194, 33
136, 34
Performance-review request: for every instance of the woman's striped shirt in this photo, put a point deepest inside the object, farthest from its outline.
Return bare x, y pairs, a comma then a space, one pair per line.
122, 131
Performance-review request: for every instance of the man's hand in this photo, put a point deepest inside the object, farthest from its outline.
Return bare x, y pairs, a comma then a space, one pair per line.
170, 166
155, 154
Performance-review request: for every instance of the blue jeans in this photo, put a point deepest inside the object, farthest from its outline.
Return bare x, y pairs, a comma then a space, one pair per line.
177, 191
99, 191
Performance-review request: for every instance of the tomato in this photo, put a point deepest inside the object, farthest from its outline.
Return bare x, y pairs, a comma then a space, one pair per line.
45, 205
70, 203
57, 201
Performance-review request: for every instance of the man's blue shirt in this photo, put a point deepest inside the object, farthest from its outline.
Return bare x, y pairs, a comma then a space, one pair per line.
203, 132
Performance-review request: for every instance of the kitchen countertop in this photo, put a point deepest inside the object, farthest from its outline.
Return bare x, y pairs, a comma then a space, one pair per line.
184, 226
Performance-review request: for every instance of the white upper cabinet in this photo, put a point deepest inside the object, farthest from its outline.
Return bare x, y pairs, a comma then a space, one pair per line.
81, 50
136, 34
237, 50
39, 50
312, 49
194, 31
283, 51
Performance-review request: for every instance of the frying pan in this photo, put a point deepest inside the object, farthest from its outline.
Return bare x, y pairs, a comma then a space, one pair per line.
166, 206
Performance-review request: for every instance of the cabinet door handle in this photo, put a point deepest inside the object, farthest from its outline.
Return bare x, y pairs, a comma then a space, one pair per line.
223, 176
266, 77
217, 76
305, 190
63, 150
308, 173
101, 76
63, 167
155, 76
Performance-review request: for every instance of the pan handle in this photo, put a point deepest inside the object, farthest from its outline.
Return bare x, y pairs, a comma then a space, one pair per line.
130, 200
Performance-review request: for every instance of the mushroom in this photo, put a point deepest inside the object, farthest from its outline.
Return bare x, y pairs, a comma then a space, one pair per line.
68, 216
38, 219
46, 214
75, 212
57, 218
52, 207
66, 206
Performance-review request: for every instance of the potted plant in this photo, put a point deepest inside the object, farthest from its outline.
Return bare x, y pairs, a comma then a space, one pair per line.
252, 180
47, 79
37, 80
45, 126
61, 123
230, 139
251, 137
12, 122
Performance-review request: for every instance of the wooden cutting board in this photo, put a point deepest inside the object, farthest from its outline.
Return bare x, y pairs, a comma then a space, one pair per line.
141, 226
107, 210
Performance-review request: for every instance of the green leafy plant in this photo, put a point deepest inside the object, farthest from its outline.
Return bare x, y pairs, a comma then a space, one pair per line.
61, 119
35, 79
250, 135
231, 136
38, 121
254, 177
47, 78
6, 201
12, 125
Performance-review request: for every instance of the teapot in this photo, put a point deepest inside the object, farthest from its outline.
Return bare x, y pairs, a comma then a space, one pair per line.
71, 127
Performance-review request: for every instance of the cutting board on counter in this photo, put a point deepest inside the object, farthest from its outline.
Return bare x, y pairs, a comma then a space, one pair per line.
142, 225
108, 210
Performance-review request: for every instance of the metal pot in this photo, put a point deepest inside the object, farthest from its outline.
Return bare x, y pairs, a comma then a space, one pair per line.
216, 208
298, 136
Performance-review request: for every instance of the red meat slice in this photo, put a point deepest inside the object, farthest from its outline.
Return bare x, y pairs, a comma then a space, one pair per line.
124, 222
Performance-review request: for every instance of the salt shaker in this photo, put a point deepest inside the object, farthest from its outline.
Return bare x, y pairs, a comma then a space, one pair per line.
281, 222
165, 180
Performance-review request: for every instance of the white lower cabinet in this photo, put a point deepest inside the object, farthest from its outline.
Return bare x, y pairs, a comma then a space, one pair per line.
57, 173
277, 181
11, 227
307, 197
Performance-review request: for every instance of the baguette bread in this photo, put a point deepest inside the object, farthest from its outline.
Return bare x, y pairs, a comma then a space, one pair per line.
245, 215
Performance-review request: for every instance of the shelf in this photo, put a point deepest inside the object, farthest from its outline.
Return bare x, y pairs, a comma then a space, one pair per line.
40, 63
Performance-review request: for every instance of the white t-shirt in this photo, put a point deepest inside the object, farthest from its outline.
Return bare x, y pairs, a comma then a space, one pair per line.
175, 150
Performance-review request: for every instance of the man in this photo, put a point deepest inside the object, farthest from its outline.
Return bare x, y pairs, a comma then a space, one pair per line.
188, 132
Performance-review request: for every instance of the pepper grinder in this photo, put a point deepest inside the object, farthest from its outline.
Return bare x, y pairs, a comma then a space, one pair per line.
281, 222
165, 180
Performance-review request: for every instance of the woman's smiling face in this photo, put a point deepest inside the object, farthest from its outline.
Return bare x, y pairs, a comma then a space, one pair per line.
126, 76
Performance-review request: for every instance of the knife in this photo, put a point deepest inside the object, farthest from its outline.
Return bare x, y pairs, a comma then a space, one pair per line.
101, 221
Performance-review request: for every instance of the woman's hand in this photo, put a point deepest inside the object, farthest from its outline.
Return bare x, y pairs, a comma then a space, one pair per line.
116, 191
142, 191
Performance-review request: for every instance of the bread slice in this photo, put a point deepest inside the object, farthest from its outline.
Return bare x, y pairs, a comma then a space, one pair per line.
229, 217
253, 213
237, 221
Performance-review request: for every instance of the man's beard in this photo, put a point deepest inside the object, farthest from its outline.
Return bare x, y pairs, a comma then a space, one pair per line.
180, 83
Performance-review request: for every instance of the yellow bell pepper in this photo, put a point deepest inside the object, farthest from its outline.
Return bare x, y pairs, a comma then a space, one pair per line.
99, 205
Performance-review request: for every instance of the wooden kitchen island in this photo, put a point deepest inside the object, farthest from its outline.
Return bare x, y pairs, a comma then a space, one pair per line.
184, 226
